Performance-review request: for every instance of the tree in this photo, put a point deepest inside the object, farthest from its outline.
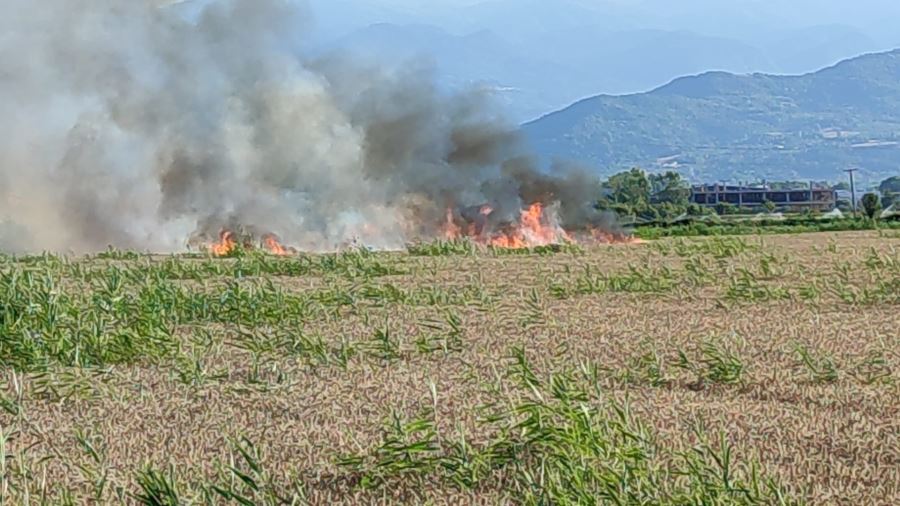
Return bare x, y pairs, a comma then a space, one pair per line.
871, 204
890, 191
631, 187
769, 206
627, 191
725, 208
696, 210
670, 188
843, 186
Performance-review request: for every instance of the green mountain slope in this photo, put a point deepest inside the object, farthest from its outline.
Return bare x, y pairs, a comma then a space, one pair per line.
725, 126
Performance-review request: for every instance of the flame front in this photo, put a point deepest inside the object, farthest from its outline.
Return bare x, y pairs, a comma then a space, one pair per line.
537, 226
226, 244
274, 246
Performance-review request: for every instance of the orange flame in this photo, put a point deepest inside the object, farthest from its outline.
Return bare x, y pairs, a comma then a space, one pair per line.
535, 227
509, 241
274, 246
226, 244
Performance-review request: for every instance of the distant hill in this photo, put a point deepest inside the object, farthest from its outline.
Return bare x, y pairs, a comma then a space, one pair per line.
540, 56
719, 125
560, 66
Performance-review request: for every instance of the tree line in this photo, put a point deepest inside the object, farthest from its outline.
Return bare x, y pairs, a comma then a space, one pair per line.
667, 196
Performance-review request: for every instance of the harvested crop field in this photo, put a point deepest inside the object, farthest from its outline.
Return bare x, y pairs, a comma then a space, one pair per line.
702, 371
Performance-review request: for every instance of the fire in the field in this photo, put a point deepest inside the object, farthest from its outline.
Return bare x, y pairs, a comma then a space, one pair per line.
226, 245
537, 225
274, 246
229, 241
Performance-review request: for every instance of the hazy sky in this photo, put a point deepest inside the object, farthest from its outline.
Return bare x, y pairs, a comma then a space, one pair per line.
553, 52
878, 16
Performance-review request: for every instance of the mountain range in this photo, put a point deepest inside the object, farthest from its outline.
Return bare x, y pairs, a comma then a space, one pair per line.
539, 56
723, 126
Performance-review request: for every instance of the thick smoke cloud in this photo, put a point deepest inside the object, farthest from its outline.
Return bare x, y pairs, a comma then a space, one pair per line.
126, 124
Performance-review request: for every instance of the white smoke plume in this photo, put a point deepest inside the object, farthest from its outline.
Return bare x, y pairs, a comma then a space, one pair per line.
127, 124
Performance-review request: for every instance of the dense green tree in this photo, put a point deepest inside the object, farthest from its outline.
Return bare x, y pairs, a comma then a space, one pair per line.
670, 188
726, 208
649, 197
871, 204
626, 193
769, 206
631, 187
696, 210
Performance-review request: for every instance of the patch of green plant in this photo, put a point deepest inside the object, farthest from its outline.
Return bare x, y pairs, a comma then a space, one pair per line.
453, 247
821, 368
569, 248
409, 450
445, 336
556, 440
383, 345
761, 227
96, 471
636, 280
717, 247
245, 480
881, 261
42, 322
872, 369
114, 254
717, 363
745, 287
647, 369
880, 291
533, 311
700, 271
157, 488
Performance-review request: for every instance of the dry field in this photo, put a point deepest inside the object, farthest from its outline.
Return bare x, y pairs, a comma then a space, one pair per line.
707, 371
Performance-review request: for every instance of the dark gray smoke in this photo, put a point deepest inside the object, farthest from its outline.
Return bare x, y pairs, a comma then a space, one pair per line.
126, 124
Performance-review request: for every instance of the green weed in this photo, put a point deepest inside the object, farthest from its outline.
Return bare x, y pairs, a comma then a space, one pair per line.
157, 488
455, 247
821, 368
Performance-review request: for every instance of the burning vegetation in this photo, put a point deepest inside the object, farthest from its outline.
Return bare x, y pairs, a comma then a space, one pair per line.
230, 244
537, 225
208, 124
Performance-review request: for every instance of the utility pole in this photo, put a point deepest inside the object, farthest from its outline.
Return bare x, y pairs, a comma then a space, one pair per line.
852, 189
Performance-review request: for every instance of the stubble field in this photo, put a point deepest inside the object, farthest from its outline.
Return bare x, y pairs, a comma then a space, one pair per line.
709, 371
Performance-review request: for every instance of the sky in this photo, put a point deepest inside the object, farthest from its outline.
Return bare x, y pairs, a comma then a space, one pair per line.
710, 15
548, 54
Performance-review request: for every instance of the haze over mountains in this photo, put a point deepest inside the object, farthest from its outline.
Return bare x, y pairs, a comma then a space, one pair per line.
720, 126
540, 56
727, 122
